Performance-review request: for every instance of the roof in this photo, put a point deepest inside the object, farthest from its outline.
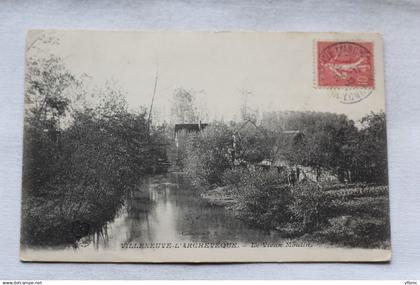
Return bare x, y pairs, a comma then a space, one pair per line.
190, 127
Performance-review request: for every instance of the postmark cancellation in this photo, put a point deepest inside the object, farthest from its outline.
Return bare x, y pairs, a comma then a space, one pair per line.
346, 67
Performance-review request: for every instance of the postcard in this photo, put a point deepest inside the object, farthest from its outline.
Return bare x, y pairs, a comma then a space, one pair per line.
204, 147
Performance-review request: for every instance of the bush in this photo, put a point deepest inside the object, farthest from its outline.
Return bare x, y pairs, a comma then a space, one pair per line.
79, 174
235, 176
356, 231
356, 217
264, 198
372, 206
308, 205
208, 155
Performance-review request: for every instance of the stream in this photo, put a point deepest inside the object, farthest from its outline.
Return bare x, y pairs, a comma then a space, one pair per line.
167, 208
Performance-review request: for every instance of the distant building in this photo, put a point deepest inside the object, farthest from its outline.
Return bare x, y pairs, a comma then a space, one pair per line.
188, 128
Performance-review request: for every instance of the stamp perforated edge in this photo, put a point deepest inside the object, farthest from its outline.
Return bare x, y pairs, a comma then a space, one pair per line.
339, 88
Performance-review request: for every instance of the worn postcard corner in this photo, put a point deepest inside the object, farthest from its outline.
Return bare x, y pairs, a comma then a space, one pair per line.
204, 147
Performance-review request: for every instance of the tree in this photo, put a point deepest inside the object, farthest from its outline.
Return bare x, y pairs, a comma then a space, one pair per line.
325, 143
46, 82
46, 103
79, 161
252, 142
331, 142
370, 151
208, 154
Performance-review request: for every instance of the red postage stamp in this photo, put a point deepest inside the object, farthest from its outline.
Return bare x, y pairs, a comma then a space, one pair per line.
345, 64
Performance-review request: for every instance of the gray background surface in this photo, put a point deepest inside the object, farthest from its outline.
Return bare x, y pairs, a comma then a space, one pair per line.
398, 21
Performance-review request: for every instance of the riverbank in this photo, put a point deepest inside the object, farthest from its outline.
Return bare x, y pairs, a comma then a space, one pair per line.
346, 215
175, 212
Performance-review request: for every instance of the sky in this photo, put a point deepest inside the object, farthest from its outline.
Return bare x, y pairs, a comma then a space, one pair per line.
276, 70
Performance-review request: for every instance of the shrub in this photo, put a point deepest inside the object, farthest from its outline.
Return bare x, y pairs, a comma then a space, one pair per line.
356, 231
308, 205
79, 174
264, 197
208, 155
355, 217
235, 176
372, 206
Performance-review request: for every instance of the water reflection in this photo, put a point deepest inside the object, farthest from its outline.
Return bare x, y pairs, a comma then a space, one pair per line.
169, 209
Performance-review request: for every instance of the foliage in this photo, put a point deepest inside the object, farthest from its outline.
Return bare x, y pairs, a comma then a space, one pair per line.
331, 143
370, 155
235, 176
179, 152
356, 216
252, 142
263, 198
47, 80
208, 154
344, 214
363, 231
308, 205
79, 164
325, 144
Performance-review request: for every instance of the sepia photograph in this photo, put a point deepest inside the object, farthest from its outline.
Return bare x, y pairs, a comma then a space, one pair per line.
204, 147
